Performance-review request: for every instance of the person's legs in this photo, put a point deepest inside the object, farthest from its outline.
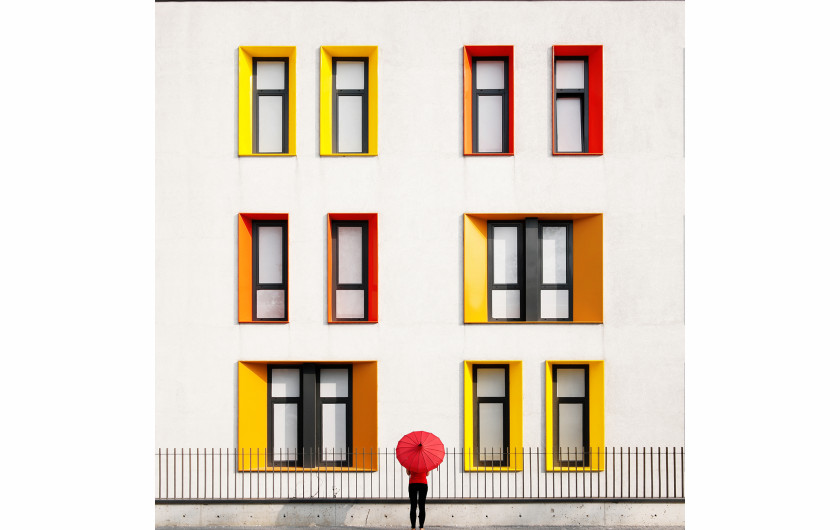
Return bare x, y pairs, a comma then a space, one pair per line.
422, 502
412, 497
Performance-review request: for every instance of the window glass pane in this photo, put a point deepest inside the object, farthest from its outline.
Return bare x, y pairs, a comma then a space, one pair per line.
491, 430
334, 431
271, 303
270, 253
271, 75
505, 303
350, 254
285, 382
490, 75
505, 254
571, 382
349, 75
334, 382
569, 75
270, 120
349, 124
554, 303
554, 254
570, 429
569, 136
349, 303
490, 124
491, 382
285, 431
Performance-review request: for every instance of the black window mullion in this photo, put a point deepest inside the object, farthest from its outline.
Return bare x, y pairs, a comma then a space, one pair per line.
476, 92
581, 95
584, 401
256, 285
350, 286
477, 401
520, 270
350, 92
255, 133
567, 286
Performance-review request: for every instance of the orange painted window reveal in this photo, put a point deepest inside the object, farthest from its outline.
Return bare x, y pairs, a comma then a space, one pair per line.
246, 311
595, 55
373, 265
471, 52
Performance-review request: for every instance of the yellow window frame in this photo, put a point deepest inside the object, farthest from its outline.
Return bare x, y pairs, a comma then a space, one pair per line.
587, 263
246, 97
596, 417
515, 460
253, 416
327, 55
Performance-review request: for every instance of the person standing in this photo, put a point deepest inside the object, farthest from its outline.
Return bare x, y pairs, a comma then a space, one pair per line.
417, 489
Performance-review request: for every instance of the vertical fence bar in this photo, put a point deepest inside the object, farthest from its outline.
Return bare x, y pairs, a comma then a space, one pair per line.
666, 472
659, 468
682, 471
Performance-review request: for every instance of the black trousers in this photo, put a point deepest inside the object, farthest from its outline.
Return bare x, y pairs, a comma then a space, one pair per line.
417, 495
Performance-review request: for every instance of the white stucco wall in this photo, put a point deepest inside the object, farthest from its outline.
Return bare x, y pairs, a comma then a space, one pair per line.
420, 185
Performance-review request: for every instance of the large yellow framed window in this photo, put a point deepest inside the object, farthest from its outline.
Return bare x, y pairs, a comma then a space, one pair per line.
349, 100
267, 101
582, 265
493, 416
264, 384
574, 415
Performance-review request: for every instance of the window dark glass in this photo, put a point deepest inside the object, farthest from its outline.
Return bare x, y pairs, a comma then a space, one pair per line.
270, 270
350, 270
570, 384
529, 270
571, 104
309, 414
490, 105
491, 414
271, 105
350, 104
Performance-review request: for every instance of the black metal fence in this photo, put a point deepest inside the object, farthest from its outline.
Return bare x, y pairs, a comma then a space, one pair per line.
606, 473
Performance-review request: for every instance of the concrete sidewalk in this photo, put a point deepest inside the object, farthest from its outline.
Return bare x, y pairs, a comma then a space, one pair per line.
430, 527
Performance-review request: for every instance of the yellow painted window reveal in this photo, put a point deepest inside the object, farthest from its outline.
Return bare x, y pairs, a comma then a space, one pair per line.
515, 459
248, 121
253, 416
328, 93
587, 265
597, 458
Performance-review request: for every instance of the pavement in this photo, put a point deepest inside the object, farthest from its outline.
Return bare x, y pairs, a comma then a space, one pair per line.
427, 528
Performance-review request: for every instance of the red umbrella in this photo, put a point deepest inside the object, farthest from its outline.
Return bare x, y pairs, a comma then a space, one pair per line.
420, 451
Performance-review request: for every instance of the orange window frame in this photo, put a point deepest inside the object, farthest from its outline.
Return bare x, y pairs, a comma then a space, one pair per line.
595, 109
373, 266
471, 52
246, 240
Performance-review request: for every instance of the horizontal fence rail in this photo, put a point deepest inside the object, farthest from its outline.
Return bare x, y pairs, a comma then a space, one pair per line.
607, 473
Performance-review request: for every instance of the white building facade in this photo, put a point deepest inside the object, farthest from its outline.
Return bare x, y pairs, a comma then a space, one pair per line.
471, 219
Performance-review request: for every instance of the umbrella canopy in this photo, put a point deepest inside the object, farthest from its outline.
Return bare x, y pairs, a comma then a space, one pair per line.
420, 451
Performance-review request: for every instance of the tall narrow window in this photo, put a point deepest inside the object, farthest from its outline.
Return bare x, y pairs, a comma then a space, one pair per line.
491, 413
571, 414
571, 105
350, 270
310, 414
555, 270
577, 100
269, 293
506, 273
283, 415
271, 105
490, 105
350, 104
529, 269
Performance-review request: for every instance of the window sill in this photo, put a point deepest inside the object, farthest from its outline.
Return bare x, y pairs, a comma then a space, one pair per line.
577, 154
266, 154
538, 322
488, 154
